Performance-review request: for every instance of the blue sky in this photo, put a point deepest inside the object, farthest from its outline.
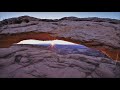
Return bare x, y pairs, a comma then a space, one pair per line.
57, 15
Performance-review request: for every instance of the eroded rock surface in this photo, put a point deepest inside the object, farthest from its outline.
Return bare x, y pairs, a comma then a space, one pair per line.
39, 62
99, 33
27, 61
89, 31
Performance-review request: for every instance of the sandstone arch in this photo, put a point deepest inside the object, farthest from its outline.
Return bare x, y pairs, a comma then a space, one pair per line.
102, 35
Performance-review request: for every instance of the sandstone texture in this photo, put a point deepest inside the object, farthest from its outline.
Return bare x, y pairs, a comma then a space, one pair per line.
88, 31
29, 61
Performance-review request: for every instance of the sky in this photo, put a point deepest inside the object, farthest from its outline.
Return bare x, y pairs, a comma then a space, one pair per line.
58, 15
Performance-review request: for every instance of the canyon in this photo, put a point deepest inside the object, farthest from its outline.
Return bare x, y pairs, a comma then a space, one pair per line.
101, 34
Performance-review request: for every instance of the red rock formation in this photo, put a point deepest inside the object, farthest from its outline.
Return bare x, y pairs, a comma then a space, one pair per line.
29, 61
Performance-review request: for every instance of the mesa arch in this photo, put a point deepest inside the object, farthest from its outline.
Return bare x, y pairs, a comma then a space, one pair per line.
95, 33
98, 33
8, 40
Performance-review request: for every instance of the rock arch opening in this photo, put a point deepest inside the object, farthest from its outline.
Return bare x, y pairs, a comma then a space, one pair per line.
7, 40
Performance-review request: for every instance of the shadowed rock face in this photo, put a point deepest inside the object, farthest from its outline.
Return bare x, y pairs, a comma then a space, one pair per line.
32, 61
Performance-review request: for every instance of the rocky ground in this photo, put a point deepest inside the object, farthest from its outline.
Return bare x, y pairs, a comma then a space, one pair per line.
39, 62
27, 61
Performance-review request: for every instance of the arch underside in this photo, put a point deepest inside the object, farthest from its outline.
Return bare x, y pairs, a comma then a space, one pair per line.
7, 40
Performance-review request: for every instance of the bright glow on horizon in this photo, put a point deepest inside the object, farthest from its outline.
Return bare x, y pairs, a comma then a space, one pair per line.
52, 42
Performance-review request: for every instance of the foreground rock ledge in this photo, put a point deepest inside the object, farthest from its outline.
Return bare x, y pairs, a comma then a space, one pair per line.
27, 61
